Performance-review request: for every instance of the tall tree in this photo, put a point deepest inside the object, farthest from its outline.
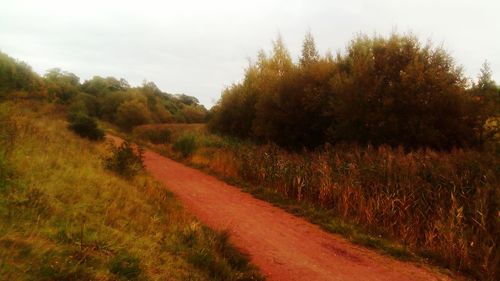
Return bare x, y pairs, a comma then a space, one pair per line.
309, 53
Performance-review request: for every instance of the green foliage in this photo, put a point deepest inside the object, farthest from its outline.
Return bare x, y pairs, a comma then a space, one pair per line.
186, 144
86, 104
125, 159
132, 113
61, 85
18, 76
126, 266
194, 113
391, 90
86, 127
99, 86
108, 98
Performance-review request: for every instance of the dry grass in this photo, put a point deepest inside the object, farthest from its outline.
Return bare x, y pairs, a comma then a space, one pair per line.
64, 217
175, 129
442, 206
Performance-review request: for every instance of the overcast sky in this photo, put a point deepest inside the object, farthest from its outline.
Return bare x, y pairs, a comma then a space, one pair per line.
199, 47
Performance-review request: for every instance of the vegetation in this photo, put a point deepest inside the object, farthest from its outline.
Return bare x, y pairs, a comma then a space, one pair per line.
63, 216
125, 159
107, 98
17, 79
387, 143
86, 127
440, 206
185, 144
392, 91
155, 134
404, 148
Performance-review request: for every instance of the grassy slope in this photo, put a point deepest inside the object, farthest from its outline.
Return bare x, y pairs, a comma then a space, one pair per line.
63, 217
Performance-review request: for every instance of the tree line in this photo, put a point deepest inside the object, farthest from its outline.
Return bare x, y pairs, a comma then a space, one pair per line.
382, 90
107, 98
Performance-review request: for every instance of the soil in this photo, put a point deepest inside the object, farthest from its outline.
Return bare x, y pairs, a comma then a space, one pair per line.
283, 246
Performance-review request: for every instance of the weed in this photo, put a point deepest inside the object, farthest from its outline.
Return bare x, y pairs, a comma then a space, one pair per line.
185, 144
125, 160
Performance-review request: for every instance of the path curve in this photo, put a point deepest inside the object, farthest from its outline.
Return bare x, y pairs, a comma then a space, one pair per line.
283, 246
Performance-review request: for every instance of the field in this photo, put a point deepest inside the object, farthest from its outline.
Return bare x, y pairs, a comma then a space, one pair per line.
63, 216
421, 205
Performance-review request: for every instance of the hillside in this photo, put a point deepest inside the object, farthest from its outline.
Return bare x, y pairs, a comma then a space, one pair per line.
63, 216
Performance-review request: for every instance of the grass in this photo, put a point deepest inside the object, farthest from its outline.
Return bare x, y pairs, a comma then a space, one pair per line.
437, 207
63, 216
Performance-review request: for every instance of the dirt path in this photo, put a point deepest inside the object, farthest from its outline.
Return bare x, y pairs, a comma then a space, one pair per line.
283, 246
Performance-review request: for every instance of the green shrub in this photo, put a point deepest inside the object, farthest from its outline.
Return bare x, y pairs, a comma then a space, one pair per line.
185, 144
126, 266
86, 127
125, 160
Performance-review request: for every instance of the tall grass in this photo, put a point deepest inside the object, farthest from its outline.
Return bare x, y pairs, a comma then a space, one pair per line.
444, 206
440, 205
63, 216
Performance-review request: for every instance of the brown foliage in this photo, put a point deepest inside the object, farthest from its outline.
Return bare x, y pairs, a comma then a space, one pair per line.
381, 91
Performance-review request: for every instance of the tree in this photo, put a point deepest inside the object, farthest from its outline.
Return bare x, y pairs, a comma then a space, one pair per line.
486, 96
17, 76
101, 86
188, 100
309, 53
132, 113
391, 90
61, 85
194, 113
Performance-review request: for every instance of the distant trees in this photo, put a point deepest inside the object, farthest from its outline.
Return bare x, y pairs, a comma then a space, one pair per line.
132, 113
390, 90
107, 98
61, 85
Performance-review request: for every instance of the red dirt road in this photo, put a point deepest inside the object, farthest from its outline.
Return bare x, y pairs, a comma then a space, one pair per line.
284, 247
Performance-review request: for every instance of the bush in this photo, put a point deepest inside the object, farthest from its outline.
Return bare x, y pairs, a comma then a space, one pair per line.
86, 127
125, 160
185, 144
132, 113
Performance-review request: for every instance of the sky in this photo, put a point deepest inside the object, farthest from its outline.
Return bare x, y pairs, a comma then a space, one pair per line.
200, 47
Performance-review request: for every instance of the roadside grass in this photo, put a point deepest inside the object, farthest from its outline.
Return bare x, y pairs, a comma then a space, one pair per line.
372, 196
63, 216
207, 158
